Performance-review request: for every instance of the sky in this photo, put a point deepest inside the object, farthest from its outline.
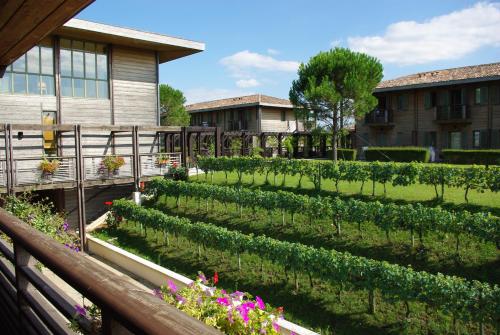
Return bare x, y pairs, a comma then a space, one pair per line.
256, 46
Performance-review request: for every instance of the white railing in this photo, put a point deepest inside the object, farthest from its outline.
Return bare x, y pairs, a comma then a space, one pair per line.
95, 169
3, 173
27, 171
157, 164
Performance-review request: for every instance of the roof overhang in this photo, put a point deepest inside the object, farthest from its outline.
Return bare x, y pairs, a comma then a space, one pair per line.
168, 47
252, 104
436, 84
25, 23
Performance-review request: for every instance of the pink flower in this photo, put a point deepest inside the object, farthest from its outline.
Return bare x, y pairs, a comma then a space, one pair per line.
230, 317
157, 293
223, 301
276, 326
171, 286
243, 312
180, 298
260, 303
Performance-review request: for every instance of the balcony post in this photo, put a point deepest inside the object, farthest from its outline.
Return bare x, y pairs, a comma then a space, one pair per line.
80, 187
184, 148
9, 160
22, 259
263, 143
280, 144
218, 142
7, 164
136, 159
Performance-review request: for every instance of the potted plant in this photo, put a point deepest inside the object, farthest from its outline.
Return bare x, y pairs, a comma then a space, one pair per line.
162, 159
177, 172
48, 167
112, 164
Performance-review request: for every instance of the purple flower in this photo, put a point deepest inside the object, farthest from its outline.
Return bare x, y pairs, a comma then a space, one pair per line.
243, 312
223, 301
180, 298
260, 303
157, 293
230, 317
80, 310
276, 326
202, 277
65, 226
171, 286
237, 295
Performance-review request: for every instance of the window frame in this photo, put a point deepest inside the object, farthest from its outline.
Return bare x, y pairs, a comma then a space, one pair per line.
84, 78
403, 102
283, 115
480, 101
26, 73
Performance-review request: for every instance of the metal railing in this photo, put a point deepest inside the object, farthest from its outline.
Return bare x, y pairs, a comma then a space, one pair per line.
27, 171
30, 302
452, 112
95, 169
157, 164
379, 116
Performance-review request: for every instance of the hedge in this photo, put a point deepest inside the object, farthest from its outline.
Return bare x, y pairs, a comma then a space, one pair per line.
397, 154
344, 154
484, 157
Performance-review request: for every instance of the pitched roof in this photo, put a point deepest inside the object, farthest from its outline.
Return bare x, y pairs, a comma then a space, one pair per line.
474, 73
244, 101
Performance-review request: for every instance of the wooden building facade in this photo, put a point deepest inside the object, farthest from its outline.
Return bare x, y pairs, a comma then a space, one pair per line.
100, 77
455, 108
253, 113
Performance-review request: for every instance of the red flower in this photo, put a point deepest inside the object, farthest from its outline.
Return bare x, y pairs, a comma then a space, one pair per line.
141, 186
216, 277
175, 165
108, 203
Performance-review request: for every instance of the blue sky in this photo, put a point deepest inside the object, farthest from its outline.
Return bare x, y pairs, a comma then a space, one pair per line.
255, 46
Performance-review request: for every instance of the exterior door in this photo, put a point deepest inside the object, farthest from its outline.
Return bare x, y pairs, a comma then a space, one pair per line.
455, 140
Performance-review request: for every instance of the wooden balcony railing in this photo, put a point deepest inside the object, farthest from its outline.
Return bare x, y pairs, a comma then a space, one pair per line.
94, 168
157, 164
27, 171
3, 173
30, 302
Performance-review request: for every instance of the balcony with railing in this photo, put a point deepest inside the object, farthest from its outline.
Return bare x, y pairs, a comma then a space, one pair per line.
452, 114
380, 118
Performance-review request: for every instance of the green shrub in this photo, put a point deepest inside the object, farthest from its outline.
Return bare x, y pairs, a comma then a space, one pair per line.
397, 154
344, 154
484, 157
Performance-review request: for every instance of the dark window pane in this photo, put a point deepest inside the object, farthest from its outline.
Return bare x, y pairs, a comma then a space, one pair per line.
89, 65
90, 88
47, 85
33, 60
102, 88
47, 60
19, 83
5, 83
34, 84
89, 46
20, 64
66, 89
65, 62
79, 89
77, 64
102, 67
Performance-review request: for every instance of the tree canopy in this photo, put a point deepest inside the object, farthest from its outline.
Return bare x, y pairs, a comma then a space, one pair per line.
335, 85
173, 112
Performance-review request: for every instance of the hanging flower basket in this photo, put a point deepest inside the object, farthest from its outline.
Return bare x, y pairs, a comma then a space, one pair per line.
48, 167
162, 160
111, 164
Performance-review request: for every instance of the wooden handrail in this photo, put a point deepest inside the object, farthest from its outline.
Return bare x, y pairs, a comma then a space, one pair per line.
123, 304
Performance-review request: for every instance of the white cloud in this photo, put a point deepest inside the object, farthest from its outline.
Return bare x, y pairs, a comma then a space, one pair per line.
273, 51
242, 63
245, 83
206, 94
335, 43
444, 37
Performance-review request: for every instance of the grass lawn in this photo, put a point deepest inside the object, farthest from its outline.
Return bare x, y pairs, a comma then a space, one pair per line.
319, 307
453, 197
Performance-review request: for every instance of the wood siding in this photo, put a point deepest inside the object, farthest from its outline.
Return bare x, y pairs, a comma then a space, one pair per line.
271, 120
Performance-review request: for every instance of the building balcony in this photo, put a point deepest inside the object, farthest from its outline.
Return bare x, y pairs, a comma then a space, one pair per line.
380, 118
452, 114
236, 125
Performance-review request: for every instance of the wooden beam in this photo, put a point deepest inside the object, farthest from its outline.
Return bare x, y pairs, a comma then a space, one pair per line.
31, 22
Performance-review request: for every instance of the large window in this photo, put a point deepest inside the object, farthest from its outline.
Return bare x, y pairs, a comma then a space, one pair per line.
481, 96
403, 102
32, 73
84, 69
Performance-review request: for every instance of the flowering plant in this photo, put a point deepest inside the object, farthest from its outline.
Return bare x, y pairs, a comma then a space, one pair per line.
176, 172
48, 167
162, 159
112, 162
112, 220
235, 313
